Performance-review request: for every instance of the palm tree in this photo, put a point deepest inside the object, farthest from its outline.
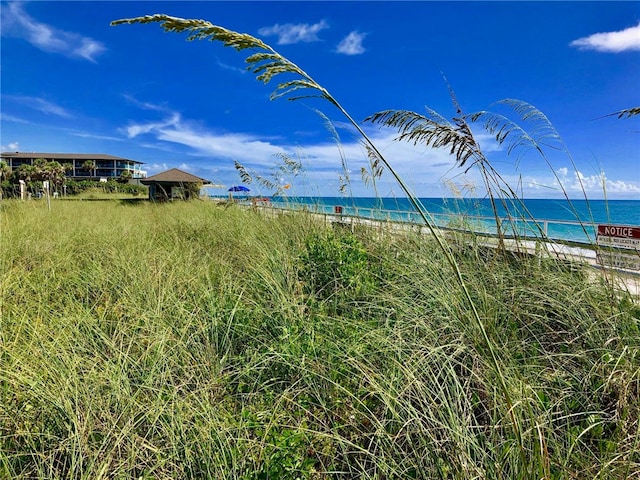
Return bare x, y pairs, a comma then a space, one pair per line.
125, 176
5, 171
25, 172
90, 165
55, 173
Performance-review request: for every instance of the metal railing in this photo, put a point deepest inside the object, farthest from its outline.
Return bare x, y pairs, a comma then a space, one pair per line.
561, 231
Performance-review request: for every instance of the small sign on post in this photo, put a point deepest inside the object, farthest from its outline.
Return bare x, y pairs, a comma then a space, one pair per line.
624, 246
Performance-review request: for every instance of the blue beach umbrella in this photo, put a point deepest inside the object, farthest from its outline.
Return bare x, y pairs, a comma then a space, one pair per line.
239, 188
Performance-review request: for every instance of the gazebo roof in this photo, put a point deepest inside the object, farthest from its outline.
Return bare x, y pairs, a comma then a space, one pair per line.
174, 176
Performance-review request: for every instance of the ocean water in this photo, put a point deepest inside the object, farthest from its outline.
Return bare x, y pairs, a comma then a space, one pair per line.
576, 220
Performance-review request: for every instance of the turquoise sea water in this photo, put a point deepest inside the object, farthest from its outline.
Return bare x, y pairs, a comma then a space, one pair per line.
560, 219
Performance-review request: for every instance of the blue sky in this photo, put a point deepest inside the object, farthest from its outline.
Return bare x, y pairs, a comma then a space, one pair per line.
70, 82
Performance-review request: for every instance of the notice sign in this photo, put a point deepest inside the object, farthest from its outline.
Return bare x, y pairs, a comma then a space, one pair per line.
626, 242
628, 261
619, 236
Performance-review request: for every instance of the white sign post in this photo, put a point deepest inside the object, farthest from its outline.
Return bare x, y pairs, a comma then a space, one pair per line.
45, 184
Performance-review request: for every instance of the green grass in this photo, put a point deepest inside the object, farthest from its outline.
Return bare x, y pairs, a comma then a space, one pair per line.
97, 193
193, 340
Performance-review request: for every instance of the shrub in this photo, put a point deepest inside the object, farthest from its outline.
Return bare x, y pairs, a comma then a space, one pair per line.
335, 266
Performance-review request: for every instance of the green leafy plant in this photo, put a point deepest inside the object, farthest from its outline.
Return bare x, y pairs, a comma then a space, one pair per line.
336, 266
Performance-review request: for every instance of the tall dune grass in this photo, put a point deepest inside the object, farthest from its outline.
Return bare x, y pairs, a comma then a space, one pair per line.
188, 340
268, 65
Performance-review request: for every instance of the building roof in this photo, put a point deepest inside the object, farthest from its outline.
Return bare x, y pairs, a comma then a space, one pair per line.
174, 176
64, 156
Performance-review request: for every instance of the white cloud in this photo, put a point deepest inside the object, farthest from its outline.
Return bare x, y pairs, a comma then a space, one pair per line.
576, 184
10, 118
600, 183
322, 161
135, 129
423, 169
233, 146
294, 33
17, 23
352, 44
96, 136
487, 142
232, 68
146, 105
39, 104
615, 42
11, 147
427, 171
154, 168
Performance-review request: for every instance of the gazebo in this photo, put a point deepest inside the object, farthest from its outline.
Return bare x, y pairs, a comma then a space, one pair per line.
174, 184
